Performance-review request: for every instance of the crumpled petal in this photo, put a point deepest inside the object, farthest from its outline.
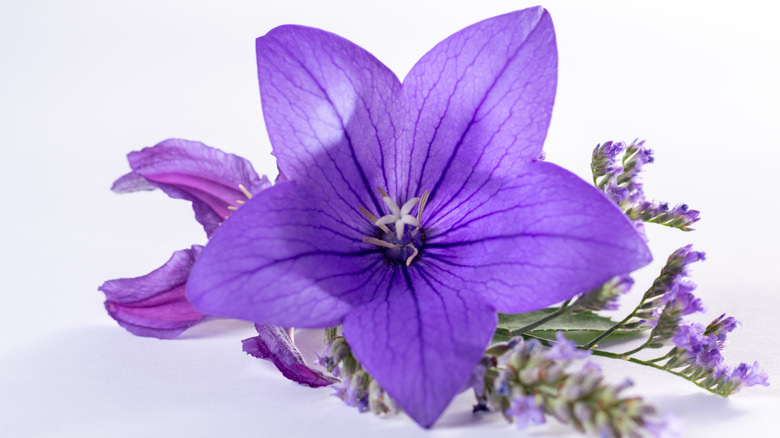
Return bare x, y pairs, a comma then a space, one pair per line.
154, 305
480, 103
285, 259
193, 171
535, 240
421, 340
329, 110
276, 344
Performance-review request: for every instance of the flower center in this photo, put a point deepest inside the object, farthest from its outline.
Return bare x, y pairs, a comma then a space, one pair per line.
399, 245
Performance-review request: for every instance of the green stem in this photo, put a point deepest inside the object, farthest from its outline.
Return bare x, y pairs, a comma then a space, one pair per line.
659, 359
330, 335
653, 365
610, 330
625, 357
537, 323
639, 348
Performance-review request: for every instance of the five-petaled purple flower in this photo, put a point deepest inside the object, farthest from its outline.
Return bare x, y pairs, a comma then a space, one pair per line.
154, 305
216, 183
414, 211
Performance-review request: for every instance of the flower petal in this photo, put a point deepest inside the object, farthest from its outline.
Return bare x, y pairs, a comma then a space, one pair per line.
328, 109
422, 341
154, 305
193, 171
285, 259
480, 104
534, 240
275, 344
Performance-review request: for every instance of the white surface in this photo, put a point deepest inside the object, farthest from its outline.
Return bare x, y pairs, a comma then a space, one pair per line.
83, 83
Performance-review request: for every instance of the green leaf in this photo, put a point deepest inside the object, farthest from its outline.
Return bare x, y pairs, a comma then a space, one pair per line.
579, 327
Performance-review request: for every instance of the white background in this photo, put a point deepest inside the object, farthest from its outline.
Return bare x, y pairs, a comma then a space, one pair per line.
84, 82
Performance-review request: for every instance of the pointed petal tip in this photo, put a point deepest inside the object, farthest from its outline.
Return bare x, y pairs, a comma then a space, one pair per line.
420, 346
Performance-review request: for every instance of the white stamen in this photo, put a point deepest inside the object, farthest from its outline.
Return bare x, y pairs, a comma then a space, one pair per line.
379, 242
423, 201
414, 254
373, 219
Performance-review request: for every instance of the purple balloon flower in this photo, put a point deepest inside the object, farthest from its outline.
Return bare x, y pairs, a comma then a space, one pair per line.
216, 183
155, 305
466, 222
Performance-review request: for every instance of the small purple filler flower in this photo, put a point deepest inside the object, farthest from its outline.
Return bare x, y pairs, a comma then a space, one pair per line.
414, 211
525, 412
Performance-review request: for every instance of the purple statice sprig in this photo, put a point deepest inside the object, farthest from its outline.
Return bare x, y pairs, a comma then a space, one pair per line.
528, 380
665, 302
410, 213
357, 388
696, 353
697, 356
604, 297
616, 170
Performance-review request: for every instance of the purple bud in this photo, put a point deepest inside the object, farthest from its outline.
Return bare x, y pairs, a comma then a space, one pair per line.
681, 298
722, 326
689, 337
565, 349
668, 427
525, 411
750, 376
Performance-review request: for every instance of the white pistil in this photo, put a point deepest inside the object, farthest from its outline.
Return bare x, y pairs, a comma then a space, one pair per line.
398, 216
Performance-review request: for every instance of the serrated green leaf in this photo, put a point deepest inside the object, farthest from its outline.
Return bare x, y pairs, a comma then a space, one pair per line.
580, 327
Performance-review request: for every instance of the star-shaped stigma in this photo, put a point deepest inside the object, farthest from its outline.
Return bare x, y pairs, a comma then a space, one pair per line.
399, 217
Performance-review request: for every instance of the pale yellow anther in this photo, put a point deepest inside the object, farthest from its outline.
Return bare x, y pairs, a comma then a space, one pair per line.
379, 242
240, 202
246, 192
373, 219
423, 201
